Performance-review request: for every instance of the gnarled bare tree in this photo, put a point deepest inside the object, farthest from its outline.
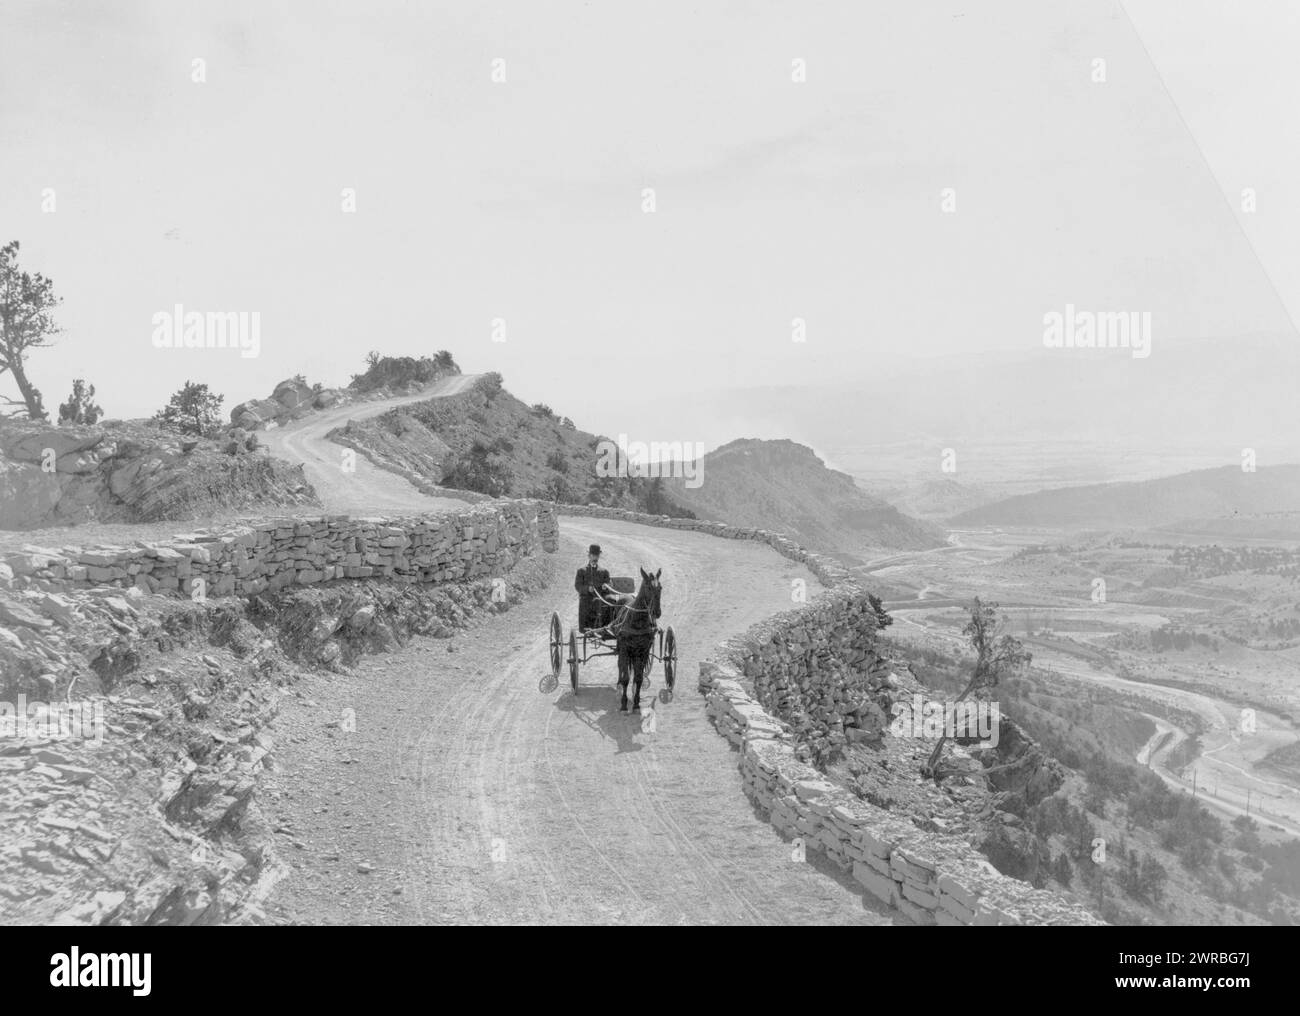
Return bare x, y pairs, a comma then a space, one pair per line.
27, 304
993, 656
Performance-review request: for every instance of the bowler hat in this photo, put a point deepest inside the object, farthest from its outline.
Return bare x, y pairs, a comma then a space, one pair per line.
594, 549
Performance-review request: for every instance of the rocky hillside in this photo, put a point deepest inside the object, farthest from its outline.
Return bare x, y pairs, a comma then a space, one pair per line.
486, 440
132, 802
384, 377
132, 792
1221, 493
785, 486
134, 472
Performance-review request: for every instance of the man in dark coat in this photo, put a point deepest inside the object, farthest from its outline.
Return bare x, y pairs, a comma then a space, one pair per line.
591, 580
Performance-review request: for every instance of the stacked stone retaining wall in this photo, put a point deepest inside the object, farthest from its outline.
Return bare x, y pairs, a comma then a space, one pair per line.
274, 553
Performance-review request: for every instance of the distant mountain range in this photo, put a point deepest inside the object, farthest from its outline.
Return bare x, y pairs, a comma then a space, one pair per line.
784, 486
1023, 420
1194, 499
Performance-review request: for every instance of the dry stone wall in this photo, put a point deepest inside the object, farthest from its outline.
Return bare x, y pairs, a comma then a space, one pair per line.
817, 670
279, 552
928, 878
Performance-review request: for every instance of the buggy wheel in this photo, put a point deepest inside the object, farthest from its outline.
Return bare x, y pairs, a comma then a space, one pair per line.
573, 660
557, 645
670, 659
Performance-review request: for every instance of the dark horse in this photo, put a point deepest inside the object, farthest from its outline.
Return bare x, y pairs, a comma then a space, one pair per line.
635, 626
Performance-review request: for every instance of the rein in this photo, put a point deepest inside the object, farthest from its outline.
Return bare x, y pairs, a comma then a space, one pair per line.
626, 606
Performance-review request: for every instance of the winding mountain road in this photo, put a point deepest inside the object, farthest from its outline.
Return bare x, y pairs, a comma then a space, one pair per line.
474, 791
367, 490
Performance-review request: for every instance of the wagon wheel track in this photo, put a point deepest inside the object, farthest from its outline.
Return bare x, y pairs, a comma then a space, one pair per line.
648, 774
683, 601
577, 823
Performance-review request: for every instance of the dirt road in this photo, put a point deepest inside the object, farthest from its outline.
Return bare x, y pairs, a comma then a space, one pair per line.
475, 793
368, 489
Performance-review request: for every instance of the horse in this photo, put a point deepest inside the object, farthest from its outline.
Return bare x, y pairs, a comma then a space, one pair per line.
634, 628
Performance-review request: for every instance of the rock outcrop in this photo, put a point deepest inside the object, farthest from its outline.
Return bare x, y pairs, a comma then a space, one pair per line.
133, 472
256, 413
290, 400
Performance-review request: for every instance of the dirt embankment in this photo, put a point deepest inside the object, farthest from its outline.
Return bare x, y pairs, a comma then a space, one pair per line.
135, 473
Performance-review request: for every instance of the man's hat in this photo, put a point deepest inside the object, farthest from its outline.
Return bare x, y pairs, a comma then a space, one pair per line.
594, 549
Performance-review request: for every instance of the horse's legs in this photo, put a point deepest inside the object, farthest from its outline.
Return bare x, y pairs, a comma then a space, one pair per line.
622, 677
641, 661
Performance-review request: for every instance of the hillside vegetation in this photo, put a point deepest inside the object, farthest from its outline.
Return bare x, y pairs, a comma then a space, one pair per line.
383, 377
486, 440
1168, 859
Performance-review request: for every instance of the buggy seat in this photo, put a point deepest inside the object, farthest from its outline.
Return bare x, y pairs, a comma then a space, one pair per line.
622, 584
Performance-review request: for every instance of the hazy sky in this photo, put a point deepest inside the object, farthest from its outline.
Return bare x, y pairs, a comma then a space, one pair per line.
522, 200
